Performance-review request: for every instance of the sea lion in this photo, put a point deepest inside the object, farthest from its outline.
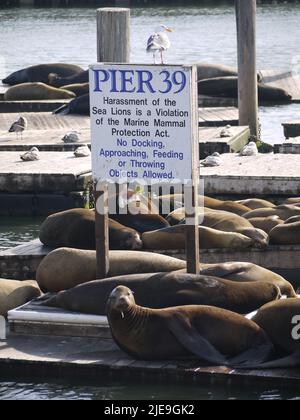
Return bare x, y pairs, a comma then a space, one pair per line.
75, 228
40, 73
211, 71
65, 268
248, 272
225, 222
266, 223
16, 293
256, 203
279, 320
284, 212
142, 222
36, 91
292, 200
78, 106
174, 238
286, 234
78, 89
161, 290
57, 80
228, 87
210, 334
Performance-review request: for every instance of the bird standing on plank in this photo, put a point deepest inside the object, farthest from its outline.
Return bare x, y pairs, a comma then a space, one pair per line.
159, 42
19, 126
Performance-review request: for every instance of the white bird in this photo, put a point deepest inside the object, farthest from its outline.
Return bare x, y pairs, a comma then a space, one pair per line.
82, 151
19, 126
159, 42
226, 132
249, 150
72, 137
213, 160
32, 155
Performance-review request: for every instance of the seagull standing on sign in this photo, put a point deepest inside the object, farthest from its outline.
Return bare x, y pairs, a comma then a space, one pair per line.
159, 42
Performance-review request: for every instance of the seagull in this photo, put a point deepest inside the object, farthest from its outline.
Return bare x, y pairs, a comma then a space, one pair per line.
249, 150
82, 151
19, 126
226, 132
159, 41
32, 155
72, 137
213, 160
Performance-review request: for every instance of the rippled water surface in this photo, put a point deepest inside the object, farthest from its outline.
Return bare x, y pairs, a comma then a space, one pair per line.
16, 231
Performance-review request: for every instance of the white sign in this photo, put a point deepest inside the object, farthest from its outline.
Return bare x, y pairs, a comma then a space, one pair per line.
142, 120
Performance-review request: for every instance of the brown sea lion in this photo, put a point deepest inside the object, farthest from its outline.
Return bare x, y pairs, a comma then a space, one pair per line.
161, 290
65, 268
266, 223
16, 293
248, 272
292, 200
78, 89
224, 222
281, 321
284, 212
40, 73
256, 203
174, 238
75, 228
35, 92
210, 334
286, 234
55, 79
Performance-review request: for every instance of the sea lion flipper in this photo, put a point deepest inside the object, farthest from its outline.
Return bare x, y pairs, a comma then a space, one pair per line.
193, 341
253, 357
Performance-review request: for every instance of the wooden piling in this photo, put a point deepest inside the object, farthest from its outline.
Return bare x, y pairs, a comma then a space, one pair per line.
113, 35
248, 89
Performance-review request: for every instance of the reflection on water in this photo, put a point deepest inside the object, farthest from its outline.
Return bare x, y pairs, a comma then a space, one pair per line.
15, 231
23, 390
32, 36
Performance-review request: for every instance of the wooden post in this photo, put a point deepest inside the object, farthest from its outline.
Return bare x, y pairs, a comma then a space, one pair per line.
113, 30
248, 89
113, 46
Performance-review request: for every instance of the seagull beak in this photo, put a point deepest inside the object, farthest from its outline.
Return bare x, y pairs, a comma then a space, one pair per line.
169, 30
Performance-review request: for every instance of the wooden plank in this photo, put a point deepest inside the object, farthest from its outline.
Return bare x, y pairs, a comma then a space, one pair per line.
31, 106
218, 117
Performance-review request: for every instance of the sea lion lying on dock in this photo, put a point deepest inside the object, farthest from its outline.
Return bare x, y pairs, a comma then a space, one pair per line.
284, 212
224, 222
161, 290
66, 268
76, 229
78, 89
279, 320
256, 203
211, 71
78, 106
266, 223
35, 92
58, 81
228, 87
16, 293
40, 73
210, 334
287, 233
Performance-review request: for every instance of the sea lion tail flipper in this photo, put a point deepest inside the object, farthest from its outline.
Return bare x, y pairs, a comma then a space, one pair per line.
253, 357
63, 110
290, 361
193, 341
48, 299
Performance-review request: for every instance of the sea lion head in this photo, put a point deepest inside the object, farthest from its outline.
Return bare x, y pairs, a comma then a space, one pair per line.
53, 78
120, 300
132, 241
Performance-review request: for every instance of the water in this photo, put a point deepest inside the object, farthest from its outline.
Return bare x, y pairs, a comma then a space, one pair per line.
16, 231
63, 390
32, 36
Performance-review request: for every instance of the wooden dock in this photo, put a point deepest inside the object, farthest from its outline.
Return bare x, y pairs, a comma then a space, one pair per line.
210, 140
218, 117
94, 358
286, 80
21, 262
265, 175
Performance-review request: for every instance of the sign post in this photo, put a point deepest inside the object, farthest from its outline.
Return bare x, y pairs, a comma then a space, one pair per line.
144, 123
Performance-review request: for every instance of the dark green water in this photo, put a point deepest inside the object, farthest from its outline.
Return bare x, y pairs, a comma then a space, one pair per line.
28, 390
16, 231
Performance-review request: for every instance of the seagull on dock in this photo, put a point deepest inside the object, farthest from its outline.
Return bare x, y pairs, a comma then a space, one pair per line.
226, 132
31, 156
82, 151
211, 161
19, 126
249, 150
72, 137
159, 42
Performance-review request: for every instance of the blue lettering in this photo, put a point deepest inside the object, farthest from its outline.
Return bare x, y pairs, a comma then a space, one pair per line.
101, 76
145, 81
125, 80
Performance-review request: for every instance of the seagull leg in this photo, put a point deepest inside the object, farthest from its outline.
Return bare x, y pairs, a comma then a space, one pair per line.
162, 57
154, 57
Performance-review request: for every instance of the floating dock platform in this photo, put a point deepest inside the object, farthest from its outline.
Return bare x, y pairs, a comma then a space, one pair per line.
264, 175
